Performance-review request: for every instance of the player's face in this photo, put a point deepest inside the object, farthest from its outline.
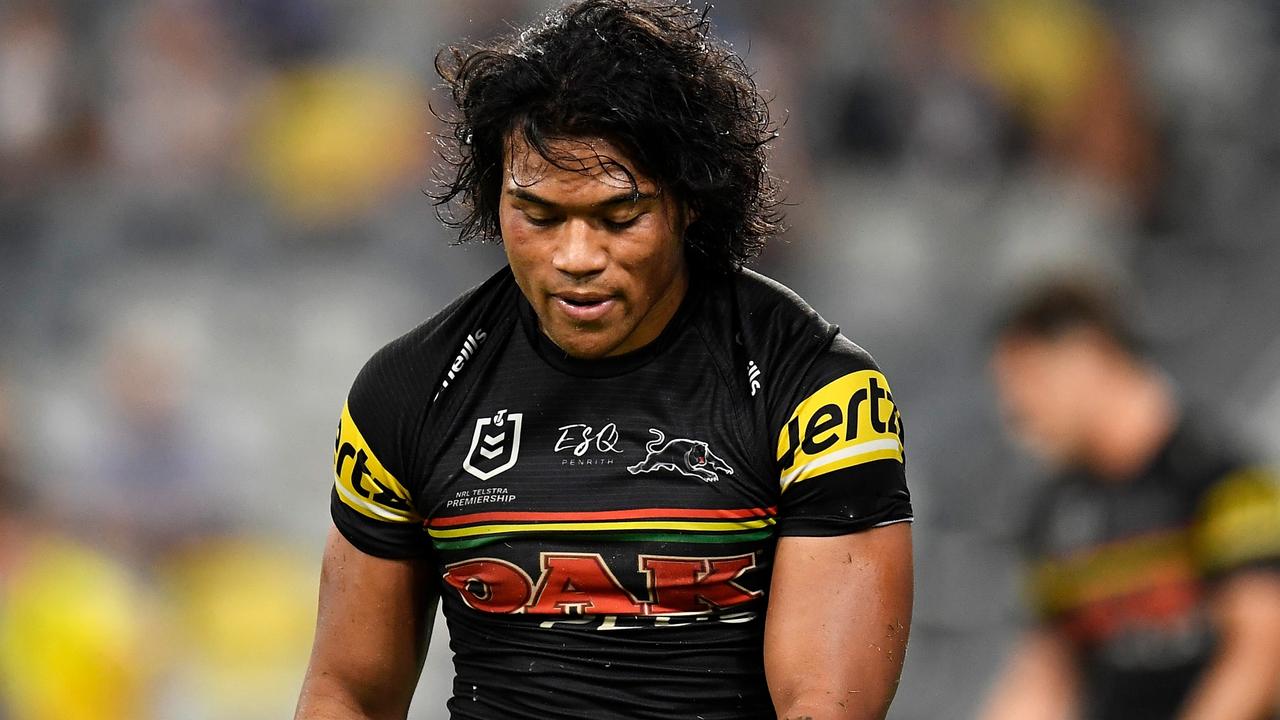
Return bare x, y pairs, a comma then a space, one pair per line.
601, 262
1045, 390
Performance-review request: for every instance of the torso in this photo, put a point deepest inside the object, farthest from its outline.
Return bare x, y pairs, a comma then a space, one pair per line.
619, 514
1118, 572
604, 531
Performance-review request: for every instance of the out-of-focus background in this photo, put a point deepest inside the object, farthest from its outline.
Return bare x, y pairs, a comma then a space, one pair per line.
212, 212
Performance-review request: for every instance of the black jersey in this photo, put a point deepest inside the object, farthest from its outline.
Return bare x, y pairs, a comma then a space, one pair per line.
604, 530
1125, 569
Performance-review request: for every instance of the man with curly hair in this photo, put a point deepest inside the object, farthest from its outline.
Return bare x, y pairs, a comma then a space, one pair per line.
644, 481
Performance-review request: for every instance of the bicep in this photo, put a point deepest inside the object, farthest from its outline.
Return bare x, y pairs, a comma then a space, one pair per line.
838, 619
372, 630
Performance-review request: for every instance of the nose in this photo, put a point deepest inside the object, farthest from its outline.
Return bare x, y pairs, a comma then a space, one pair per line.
580, 252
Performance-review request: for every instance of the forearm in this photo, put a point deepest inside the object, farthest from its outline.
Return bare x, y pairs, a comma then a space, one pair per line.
837, 705
1243, 680
334, 692
1039, 682
325, 698
1239, 685
825, 694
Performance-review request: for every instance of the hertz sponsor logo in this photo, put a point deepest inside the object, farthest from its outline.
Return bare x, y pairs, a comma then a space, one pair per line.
361, 480
849, 421
469, 347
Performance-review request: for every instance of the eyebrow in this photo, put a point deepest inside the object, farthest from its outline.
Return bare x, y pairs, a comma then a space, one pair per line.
619, 199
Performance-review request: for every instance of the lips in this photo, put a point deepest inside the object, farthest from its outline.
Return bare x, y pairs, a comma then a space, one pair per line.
583, 306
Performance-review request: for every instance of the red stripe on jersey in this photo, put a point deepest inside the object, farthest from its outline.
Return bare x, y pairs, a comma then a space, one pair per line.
640, 514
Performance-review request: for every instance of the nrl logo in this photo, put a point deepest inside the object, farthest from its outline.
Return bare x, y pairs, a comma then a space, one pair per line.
687, 457
495, 445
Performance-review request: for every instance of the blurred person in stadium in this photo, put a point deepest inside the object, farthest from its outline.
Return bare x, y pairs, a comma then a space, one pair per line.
13, 495
179, 82
73, 619
149, 479
1156, 553
34, 113
645, 481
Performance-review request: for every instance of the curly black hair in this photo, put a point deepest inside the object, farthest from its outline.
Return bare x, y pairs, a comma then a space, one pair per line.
647, 77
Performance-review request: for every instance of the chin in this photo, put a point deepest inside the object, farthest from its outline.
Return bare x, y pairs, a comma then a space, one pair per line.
584, 346
592, 350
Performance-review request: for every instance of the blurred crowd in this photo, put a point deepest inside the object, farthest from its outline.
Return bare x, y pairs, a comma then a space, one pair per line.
212, 212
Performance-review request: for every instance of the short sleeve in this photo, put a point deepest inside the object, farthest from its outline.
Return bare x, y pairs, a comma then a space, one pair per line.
1049, 588
1237, 525
1044, 586
370, 504
840, 453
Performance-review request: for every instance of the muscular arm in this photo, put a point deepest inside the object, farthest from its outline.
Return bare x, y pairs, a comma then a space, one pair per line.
1039, 684
839, 614
1243, 680
372, 631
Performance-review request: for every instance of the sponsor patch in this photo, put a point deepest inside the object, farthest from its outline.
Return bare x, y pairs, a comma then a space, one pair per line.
849, 421
582, 584
363, 483
582, 444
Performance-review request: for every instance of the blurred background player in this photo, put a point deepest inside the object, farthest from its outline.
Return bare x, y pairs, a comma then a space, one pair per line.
1156, 554
73, 619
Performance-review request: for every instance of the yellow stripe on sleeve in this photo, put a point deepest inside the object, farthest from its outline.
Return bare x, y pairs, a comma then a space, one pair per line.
363, 483
847, 422
1240, 520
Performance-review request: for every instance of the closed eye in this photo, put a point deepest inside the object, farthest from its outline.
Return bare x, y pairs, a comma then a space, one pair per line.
623, 225
542, 222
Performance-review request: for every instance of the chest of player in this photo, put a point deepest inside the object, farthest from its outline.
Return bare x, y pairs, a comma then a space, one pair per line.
635, 493
1121, 574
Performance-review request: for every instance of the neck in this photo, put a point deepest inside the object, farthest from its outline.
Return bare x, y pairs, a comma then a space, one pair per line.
1135, 426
